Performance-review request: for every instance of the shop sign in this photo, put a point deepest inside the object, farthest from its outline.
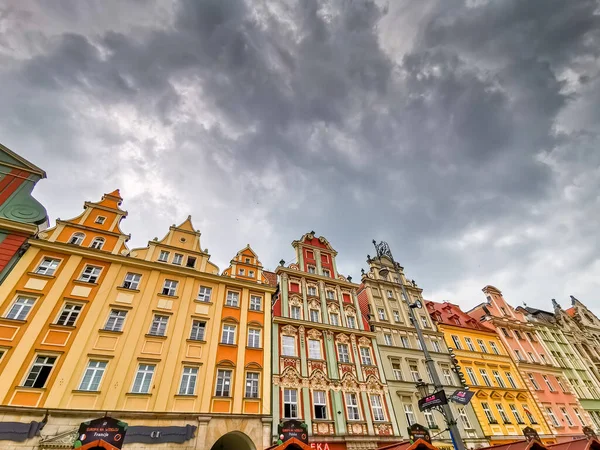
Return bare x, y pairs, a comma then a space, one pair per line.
293, 429
105, 429
530, 434
417, 431
327, 446
435, 399
462, 396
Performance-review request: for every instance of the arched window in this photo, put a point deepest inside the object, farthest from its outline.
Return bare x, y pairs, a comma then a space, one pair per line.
77, 238
97, 243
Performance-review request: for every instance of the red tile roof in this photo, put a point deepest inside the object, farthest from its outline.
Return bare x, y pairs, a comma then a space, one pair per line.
579, 444
518, 445
363, 299
448, 313
271, 277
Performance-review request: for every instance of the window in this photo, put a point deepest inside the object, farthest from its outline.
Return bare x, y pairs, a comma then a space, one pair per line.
163, 256
469, 343
251, 385
288, 346
314, 349
365, 356
390, 294
223, 388
503, 310
20, 308
436, 346
518, 334
410, 414
396, 316
177, 259
388, 339
456, 341
429, 419
92, 376
334, 318
502, 413
315, 316
247, 260
565, 414
530, 416
253, 338
464, 417
498, 378
69, 314
170, 287
561, 384
312, 291
579, 418
482, 346
198, 330
414, 372
233, 298
204, 294
312, 269
115, 321
143, 379
530, 337
90, 274
343, 353
404, 341
330, 295
553, 418
447, 376
76, 238
424, 322
326, 273
241, 272
505, 332
543, 358
228, 335
40, 371
100, 220
494, 347
515, 413
486, 378
159, 325
531, 357
48, 266
511, 380
352, 406
188, 381
397, 370
518, 355
290, 403
190, 262
381, 313
533, 382
547, 381
351, 321
472, 377
295, 312
131, 281
255, 303
319, 405
488, 413
97, 243
377, 408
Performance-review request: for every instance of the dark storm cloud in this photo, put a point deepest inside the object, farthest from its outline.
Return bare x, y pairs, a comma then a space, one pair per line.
270, 119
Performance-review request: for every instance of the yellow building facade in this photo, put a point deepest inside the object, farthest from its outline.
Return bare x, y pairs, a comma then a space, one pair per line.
502, 403
155, 336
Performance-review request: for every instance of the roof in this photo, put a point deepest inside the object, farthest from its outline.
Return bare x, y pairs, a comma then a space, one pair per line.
446, 314
419, 444
292, 443
271, 277
578, 444
363, 300
570, 311
27, 164
519, 445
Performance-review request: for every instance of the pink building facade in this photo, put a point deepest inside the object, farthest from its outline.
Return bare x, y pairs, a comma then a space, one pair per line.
540, 371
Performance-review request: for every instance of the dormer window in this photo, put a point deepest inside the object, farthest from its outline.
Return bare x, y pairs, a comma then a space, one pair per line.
76, 238
97, 243
251, 273
456, 320
241, 272
177, 258
191, 262
164, 256
247, 260
100, 220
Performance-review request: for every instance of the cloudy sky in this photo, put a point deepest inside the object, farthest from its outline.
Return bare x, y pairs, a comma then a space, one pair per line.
464, 133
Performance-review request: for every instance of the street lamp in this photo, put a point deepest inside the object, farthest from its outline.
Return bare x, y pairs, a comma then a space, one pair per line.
383, 249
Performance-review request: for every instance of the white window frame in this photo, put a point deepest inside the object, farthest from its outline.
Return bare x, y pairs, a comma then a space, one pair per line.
204, 294
503, 415
387, 338
465, 418
233, 299
414, 371
327, 273
69, 310
409, 413
565, 414
511, 380
223, 383
472, 377
312, 291
228, 330
177, 259
254, 338
352, 406
365, 356
553, 418
118, 320
447, 376
343, 356
131, 281
40, 362
397, 371
320, 402
159, 324
314, 349
97, 243
377, 408
100, 220
189, 380
48, 266
547, 381
381, 313
92, 375
456, 341
255, 303
436, 346
296, 312
533, 381
516, 414
396, 316
76, 238
290, 399
163, 256
198, 330
485, 377
330, 294
142, 382
20, 307
469, 343
494, 348
482, 346
90, 274
170, 287
288, 346
311, 269
252, 386
498, 379
335, 316
351, 320
488, 412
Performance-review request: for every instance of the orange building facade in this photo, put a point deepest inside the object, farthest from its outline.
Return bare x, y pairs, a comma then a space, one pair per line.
156, 335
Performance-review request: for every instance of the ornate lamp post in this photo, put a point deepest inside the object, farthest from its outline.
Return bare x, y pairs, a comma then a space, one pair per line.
383, 249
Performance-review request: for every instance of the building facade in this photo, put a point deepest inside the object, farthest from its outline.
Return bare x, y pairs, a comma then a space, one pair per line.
573, 366
21, 215
327, 371
381, 298
155, 335
502, 402
542, 374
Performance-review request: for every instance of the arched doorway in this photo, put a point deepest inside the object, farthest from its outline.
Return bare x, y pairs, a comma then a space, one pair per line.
235, 440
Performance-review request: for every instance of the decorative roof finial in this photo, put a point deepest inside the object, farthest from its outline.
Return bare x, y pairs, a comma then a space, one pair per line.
281, 262
555, 304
